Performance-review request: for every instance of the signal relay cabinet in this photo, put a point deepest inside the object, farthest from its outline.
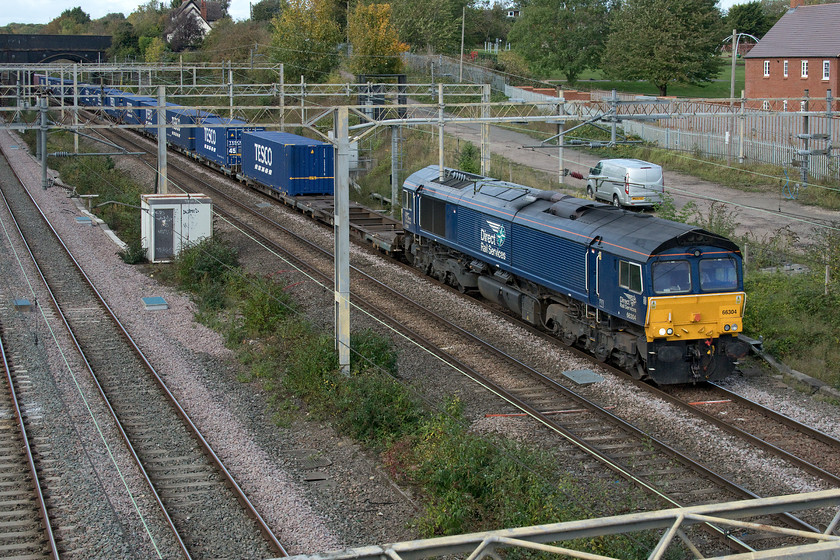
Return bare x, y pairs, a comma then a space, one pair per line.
171, 222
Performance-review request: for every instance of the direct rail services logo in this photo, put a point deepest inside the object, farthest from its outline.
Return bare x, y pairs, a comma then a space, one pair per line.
493, 239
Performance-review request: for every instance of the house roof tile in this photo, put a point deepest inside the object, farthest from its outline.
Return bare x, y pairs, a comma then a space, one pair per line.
807, 31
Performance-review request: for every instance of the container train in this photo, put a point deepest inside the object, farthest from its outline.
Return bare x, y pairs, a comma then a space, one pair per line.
663, 300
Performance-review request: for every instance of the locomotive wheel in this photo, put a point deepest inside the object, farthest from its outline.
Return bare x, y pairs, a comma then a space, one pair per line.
569, 339
638, 372
601, 354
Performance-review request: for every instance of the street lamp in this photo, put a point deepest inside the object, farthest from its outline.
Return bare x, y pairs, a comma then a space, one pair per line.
736, 38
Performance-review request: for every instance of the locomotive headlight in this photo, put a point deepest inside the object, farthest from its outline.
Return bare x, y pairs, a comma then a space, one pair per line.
662, 332
670, 332
726, 327
734, 326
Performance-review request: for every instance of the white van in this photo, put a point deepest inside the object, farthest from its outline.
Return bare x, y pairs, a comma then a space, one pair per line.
626, 182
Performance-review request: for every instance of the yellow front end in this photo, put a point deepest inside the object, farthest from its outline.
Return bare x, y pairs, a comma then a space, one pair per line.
695, 316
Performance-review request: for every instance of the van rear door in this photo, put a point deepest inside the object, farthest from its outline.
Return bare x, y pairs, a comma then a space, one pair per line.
644, 181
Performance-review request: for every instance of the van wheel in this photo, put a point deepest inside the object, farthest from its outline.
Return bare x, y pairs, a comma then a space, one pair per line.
616, 203
589, 192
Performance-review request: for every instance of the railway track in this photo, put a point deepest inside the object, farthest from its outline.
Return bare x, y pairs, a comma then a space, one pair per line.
25, 527
592, 432
799, 444
207, 512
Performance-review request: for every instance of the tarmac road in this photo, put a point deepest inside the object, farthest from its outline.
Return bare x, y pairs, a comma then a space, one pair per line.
759, 214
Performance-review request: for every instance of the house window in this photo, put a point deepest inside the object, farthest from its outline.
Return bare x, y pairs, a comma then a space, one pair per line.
786, 69
784, 105
765, 105
766, 68
804, 68
826, 66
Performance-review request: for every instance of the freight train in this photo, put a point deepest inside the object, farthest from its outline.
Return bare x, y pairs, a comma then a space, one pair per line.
662, 300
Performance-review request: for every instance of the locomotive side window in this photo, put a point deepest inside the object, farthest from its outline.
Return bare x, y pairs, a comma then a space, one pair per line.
671, 277
630, 276
718, 274
433, 215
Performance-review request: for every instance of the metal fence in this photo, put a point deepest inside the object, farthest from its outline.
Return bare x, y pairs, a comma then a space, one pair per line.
720, 130
757, 130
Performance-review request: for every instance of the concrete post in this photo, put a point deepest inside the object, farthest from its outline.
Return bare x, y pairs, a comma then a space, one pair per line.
75, 106
163, 180
485, 130
561, 126
42, 142
395, 173
341, 219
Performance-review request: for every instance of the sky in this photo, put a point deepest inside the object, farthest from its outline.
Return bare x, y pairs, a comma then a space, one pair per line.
44, 11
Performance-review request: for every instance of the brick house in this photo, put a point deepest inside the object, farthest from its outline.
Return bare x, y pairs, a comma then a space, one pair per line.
801, 52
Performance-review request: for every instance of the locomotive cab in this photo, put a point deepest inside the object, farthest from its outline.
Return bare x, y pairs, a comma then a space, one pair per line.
695, 312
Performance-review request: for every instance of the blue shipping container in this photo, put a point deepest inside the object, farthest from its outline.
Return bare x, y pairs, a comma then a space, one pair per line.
220, 141
289, 163
114, 104
180, 135
147, 114
131, 108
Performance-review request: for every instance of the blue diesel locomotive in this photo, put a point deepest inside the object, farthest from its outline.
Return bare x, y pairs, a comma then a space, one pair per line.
662, 300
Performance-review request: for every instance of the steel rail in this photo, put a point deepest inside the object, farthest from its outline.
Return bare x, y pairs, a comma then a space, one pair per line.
240, 494
42, 505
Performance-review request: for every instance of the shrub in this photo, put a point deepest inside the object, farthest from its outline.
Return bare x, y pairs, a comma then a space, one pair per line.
203, 265
134, 252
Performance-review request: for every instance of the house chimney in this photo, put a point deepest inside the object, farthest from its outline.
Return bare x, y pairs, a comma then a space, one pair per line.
204, 8
795, 4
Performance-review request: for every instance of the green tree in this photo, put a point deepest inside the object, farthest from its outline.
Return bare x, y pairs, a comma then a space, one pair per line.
148, 19
70, 22
664, 41
124, 43
266, 10
376, 47
241, 41
435, 24
748, 18
156, 50
470, 159
306, 38
486, 21
561, 35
